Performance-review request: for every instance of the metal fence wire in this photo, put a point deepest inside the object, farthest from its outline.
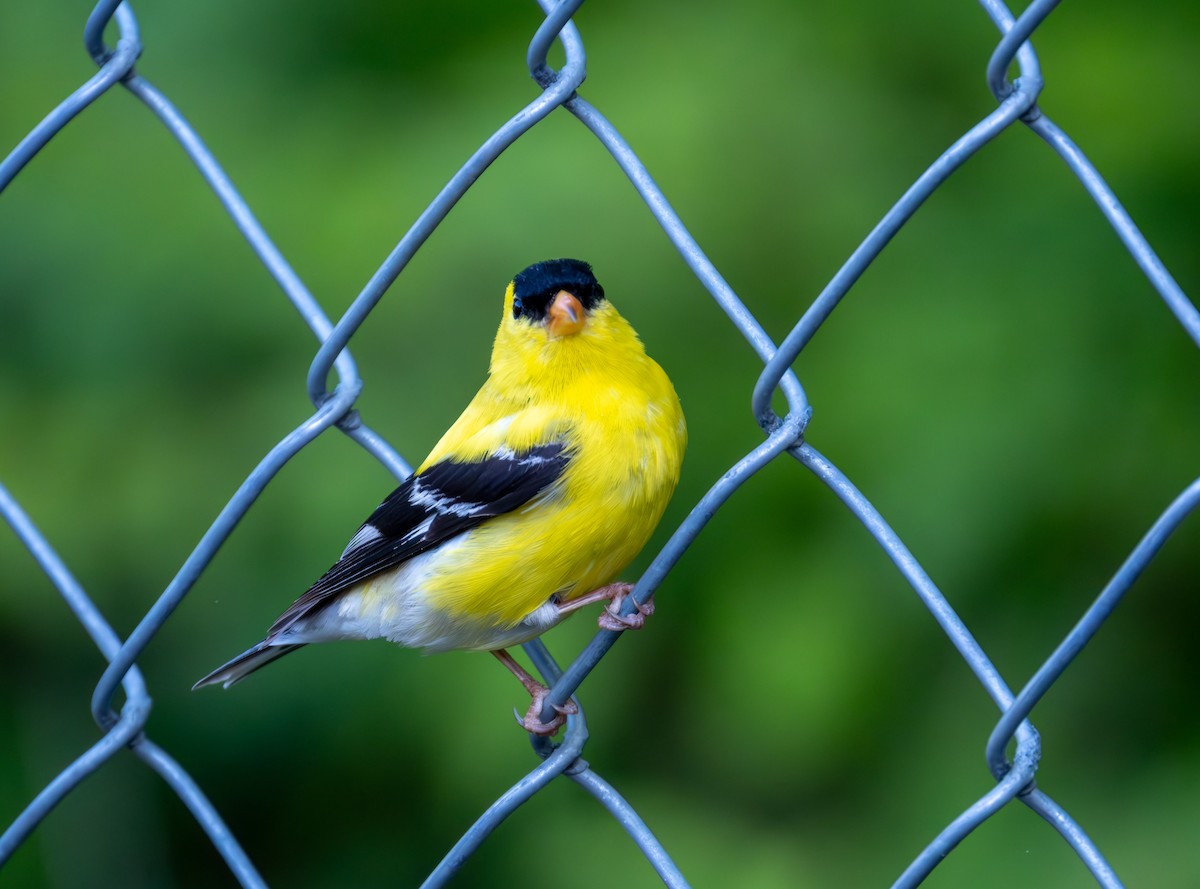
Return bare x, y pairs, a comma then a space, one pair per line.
125, 728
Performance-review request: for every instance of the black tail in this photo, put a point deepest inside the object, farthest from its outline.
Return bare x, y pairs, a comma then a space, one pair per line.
246, 663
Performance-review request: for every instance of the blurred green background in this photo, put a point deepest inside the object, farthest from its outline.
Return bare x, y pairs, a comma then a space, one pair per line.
1002, 383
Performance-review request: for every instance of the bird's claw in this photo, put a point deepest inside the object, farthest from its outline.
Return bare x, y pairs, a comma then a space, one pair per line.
612, 619
532, 722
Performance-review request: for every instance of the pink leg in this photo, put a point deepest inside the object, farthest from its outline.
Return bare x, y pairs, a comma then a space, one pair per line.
532, 722
611, 618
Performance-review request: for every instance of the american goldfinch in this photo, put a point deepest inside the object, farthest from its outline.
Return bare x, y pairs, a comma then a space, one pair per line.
544, 489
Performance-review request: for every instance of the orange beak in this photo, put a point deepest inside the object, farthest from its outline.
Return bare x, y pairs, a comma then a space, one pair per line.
565, 317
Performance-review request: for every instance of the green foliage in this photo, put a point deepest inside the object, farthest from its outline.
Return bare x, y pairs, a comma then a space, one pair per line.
1002, 383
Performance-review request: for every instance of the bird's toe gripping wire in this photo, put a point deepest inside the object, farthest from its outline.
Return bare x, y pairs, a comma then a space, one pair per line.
611, 617
532, 721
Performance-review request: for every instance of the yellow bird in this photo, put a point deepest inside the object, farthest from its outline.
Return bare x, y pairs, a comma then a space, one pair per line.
544, 489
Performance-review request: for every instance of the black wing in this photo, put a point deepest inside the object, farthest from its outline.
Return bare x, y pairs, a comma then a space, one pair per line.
429, 508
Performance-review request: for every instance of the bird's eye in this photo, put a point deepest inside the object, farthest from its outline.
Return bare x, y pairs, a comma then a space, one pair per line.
517, 307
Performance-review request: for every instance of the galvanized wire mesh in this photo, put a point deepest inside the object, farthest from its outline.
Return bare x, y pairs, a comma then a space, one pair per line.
125, 727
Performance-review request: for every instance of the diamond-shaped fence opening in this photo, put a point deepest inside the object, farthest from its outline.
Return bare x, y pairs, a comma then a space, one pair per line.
805, 648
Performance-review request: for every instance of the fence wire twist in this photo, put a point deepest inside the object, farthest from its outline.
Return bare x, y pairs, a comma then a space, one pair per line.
1014, 778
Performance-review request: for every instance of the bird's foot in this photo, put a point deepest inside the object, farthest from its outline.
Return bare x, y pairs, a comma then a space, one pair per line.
532, 722
611, 617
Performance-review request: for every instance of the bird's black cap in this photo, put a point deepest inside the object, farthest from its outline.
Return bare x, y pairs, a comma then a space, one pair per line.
537, 285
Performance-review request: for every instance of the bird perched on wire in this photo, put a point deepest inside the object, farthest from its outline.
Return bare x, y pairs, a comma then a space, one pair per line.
535, 499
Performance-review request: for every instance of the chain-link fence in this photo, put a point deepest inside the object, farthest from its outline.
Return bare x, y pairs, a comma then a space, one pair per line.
126, 726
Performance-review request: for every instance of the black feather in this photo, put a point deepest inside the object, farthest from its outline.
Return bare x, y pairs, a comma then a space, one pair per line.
536, 286
429, 508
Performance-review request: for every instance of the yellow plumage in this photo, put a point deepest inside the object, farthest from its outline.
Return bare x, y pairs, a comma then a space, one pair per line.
621, 420
542, 491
